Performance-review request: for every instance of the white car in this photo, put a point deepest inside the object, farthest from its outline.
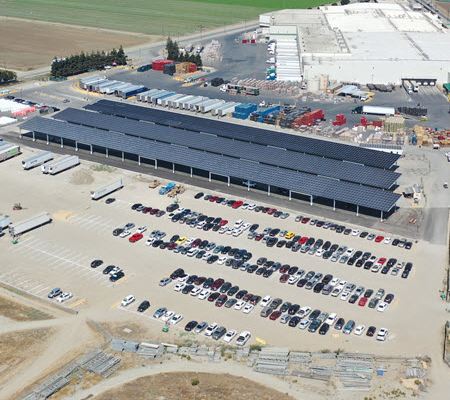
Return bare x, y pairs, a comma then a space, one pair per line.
189, 241
192, 252
150, 241
195, 291
114, 270
336, 291
376, 267
349, 252
176, 318
239, 305
359, 330
246, 226
334, 281
382, 334
221, 260
238, 223
304, 323
304, 311
342, 284
248, 308
223, 229
141, 229
237, 232
382, 306
183, 278
211, 329
265, 301
206, 256
356, 232
63, 297
387, 240
319, 253
204, 294
230, 336
345, 296
293, 279
179, 287
167, 316
331, 319
243, 338
229, 231
200, 225
125, 233
251, 207
128, 300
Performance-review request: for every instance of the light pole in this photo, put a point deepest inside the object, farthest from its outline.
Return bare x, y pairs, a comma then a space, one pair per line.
201, 31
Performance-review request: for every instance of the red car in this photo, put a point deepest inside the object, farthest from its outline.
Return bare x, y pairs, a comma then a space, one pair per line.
284, 278
303, 240
223, 222
196, 242
136, 237
213, 199
237, 204
275, 315
272, 211
221, 300
284, 268
146, 210
305, 220
171, 246
213, 296
259, 236
265, 210
153, 211
217, 284
247, 297
379, 239
382, 260
362, 301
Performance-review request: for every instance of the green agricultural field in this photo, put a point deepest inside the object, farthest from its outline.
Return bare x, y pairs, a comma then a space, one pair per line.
169, 17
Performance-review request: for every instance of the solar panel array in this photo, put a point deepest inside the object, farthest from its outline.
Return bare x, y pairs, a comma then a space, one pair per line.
267, 155
266, 137
222, 165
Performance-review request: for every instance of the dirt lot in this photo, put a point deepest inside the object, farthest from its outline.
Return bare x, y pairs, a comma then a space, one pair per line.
35, 44
219, 387
21, 347
20, 312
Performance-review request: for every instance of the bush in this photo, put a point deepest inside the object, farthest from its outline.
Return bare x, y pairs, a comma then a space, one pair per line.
7, 76
194, 381
255, 347
345, 2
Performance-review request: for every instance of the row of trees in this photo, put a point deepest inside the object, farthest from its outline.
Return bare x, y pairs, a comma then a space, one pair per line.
7, 76
173, 53
79, 63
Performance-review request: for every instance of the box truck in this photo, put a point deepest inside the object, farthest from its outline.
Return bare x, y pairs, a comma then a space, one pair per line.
26, 225
60, 165
8, 151
36, 160
97, 194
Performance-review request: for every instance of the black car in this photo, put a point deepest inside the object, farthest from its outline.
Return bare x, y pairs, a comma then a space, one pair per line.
351, 261
252, 268
388, 299
191, 279
236, 264
310, 241
268, 273
261, 260
233, 290
407, 270
216, 227
326, 245
200, 254
368, 293
192, 324
203, 244
241, 294
334, 247
172, 207
327, 254
363, 234
318, 287
408, 245
207, 197
254, 227
174, 238
290, 244
143, 306
281, 243
359, 263
225, 250
314, 325
187, 289
274, 232
209, 220
117, 232
271, 241
261, 270
294, 321
157, 243
395, 242
212, 259
339, 324
225, 287
96, 263
110, 200
371, 331
247, 256
292, 270
302, 282
285, 306
135, 206
353, 299
293, 309
207, 284
108, 269
268, 263
327, 278
202, 218
340, 228
276, 303
115, 277
177, 273
366, 255
258, 208
217, 220
391, 262
324, 329
314, 315
309, 275
368, 265
347, 231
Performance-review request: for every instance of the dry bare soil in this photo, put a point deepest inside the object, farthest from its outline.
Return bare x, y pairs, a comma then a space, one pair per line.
33, 44
177, 385
20, 312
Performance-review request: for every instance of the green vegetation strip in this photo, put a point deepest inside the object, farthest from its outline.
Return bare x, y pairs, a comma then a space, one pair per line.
170, 17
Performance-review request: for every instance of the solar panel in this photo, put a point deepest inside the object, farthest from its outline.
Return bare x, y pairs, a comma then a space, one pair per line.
222, 165
255, 152
300, 144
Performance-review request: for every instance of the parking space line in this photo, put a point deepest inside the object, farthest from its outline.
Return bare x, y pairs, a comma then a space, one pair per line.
395, 304
124, 279
22, 246
36, 287
43, 290
116, 304
77, 303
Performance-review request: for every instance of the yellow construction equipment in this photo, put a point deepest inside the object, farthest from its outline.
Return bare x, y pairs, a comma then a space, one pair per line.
154, 184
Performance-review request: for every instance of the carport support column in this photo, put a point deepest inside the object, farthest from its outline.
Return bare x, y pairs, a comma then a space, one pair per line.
209, 176
334, 205
248, 186
139, 160
156, 164
91, 148
290, 195
311, 201
76, 145
123, 156
62, 143
34, 136
48, 142
357, 210
381, 216
268, 190
228, 181
191, 172
173, 167
107, 154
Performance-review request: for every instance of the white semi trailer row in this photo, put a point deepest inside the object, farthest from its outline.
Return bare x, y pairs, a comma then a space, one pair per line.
37, 160
8, 151
60, 165
31, 223
97, 194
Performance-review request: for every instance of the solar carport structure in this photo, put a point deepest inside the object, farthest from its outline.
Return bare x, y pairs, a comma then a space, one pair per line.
209, 164
265, 137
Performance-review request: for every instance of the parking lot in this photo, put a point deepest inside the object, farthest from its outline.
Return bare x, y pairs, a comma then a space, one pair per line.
59, 255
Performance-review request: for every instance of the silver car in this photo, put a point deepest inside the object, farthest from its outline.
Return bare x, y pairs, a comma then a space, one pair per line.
165, 281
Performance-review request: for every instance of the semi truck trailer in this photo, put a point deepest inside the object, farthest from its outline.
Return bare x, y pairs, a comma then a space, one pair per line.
4, 222
31, 223
374, 110
97, 194
60, 165
36, 160
9, 151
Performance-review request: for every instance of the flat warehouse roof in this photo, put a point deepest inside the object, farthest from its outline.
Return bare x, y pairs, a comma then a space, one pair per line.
296, 143
255, 152
222, 165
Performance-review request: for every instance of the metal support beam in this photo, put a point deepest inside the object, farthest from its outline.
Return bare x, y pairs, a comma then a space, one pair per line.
48, 142
228, 181
139, 160
123, 156
191, 172
311, 201
92, 148
268, 190
62, 143
209, 176
34, 136
173, 167
248, 186
334, 205
156, 164
76, 145
381, 216
290, 195
107, 153
357, 210
20, 133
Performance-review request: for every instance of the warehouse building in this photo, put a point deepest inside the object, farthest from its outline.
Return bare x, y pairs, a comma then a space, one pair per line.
365, 42
333, 174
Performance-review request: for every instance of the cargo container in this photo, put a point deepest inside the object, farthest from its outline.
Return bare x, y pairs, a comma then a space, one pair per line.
8, 151
31, 223
37, 160
158, 65
4, 221
131, 91
60, 165
374, 110
97, 194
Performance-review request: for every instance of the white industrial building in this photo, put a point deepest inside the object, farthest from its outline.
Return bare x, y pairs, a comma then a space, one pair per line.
364, 42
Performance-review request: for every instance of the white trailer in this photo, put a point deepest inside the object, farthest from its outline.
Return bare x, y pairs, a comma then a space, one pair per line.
9, 150
180, 102
60, 165
169, 100
212, 106
36, 160
97, 194
4, 221
26, 225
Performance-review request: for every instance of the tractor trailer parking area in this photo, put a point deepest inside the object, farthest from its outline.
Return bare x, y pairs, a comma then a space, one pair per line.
59, 255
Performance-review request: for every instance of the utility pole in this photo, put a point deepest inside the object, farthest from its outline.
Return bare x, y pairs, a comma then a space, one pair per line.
201, 31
